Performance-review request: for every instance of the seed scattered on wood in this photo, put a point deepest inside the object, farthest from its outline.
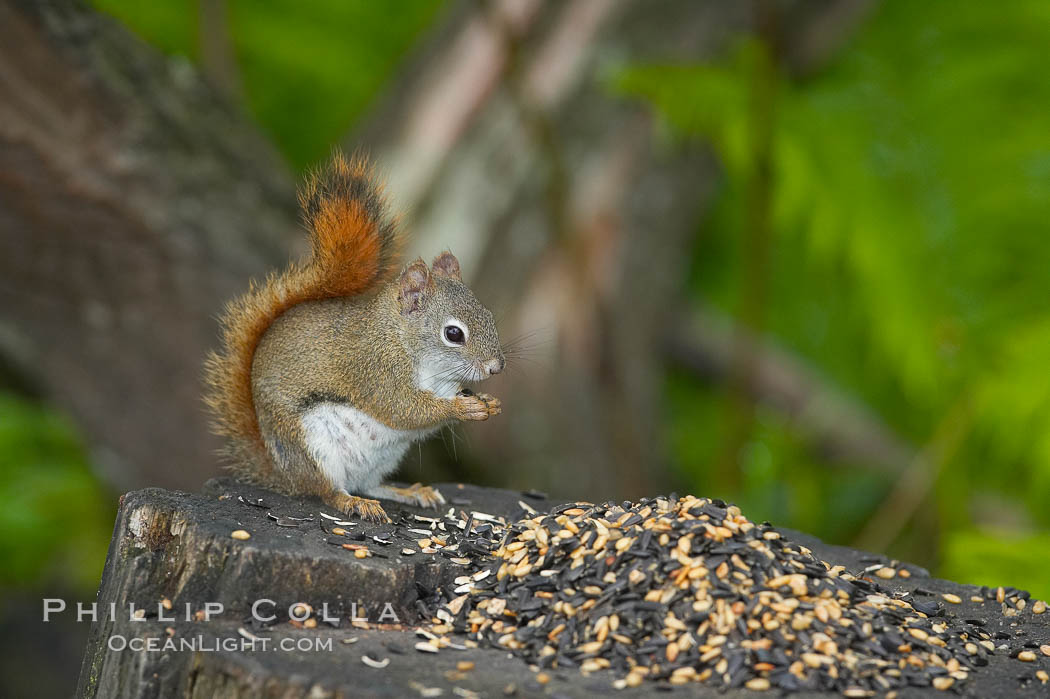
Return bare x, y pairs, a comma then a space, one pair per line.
246, 634
361, 553
1026, 656
240, 534
543, 678
689, 590
424, 691
1045, 649
1042, 676
338, 531
1038, 607
943, 683
464, 666
372, 662
426, 647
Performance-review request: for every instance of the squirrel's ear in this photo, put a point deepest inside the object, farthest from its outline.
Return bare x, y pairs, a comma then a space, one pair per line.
415, 287
446, 265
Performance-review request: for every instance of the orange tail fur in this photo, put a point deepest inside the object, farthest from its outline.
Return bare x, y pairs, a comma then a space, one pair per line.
355, 250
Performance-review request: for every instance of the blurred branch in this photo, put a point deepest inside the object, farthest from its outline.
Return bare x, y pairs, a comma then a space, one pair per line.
218, 58
442, 92
541, 129
842, 428
917, 481
823, 32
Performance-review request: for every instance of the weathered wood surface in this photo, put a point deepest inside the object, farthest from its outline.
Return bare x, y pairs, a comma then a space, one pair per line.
178, 546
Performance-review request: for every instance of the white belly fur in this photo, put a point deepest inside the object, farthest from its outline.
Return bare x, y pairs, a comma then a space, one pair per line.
353, 449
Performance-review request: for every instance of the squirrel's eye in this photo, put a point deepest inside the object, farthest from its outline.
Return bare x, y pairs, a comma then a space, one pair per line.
454, 334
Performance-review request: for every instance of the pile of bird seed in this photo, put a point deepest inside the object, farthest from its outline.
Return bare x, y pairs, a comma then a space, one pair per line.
689, 590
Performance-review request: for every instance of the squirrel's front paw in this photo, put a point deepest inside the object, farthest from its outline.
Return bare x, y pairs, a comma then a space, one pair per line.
494, 403
476, 407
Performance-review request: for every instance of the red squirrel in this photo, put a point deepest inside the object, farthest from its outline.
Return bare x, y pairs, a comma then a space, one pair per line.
330, 369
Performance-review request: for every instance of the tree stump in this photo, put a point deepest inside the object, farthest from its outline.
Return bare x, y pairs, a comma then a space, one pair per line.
175, 559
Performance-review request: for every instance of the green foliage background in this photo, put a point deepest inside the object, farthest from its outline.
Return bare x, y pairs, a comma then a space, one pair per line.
910, 261
56, 517
911, 264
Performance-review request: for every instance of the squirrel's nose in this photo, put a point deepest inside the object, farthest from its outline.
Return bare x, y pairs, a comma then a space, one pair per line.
495, 366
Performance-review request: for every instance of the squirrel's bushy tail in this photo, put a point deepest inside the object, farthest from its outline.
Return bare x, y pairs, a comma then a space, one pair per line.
355, 248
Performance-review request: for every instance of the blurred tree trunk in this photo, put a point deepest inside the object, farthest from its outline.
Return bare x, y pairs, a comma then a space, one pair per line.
133, 203
569, 216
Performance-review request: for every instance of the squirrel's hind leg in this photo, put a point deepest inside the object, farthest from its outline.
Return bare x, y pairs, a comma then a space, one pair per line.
415, 494
352, 504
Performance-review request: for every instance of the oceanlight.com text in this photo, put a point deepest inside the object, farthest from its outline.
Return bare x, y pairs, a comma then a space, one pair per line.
230, 644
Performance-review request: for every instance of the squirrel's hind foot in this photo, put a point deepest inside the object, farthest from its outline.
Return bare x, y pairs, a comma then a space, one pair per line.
354, 505
415, 494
